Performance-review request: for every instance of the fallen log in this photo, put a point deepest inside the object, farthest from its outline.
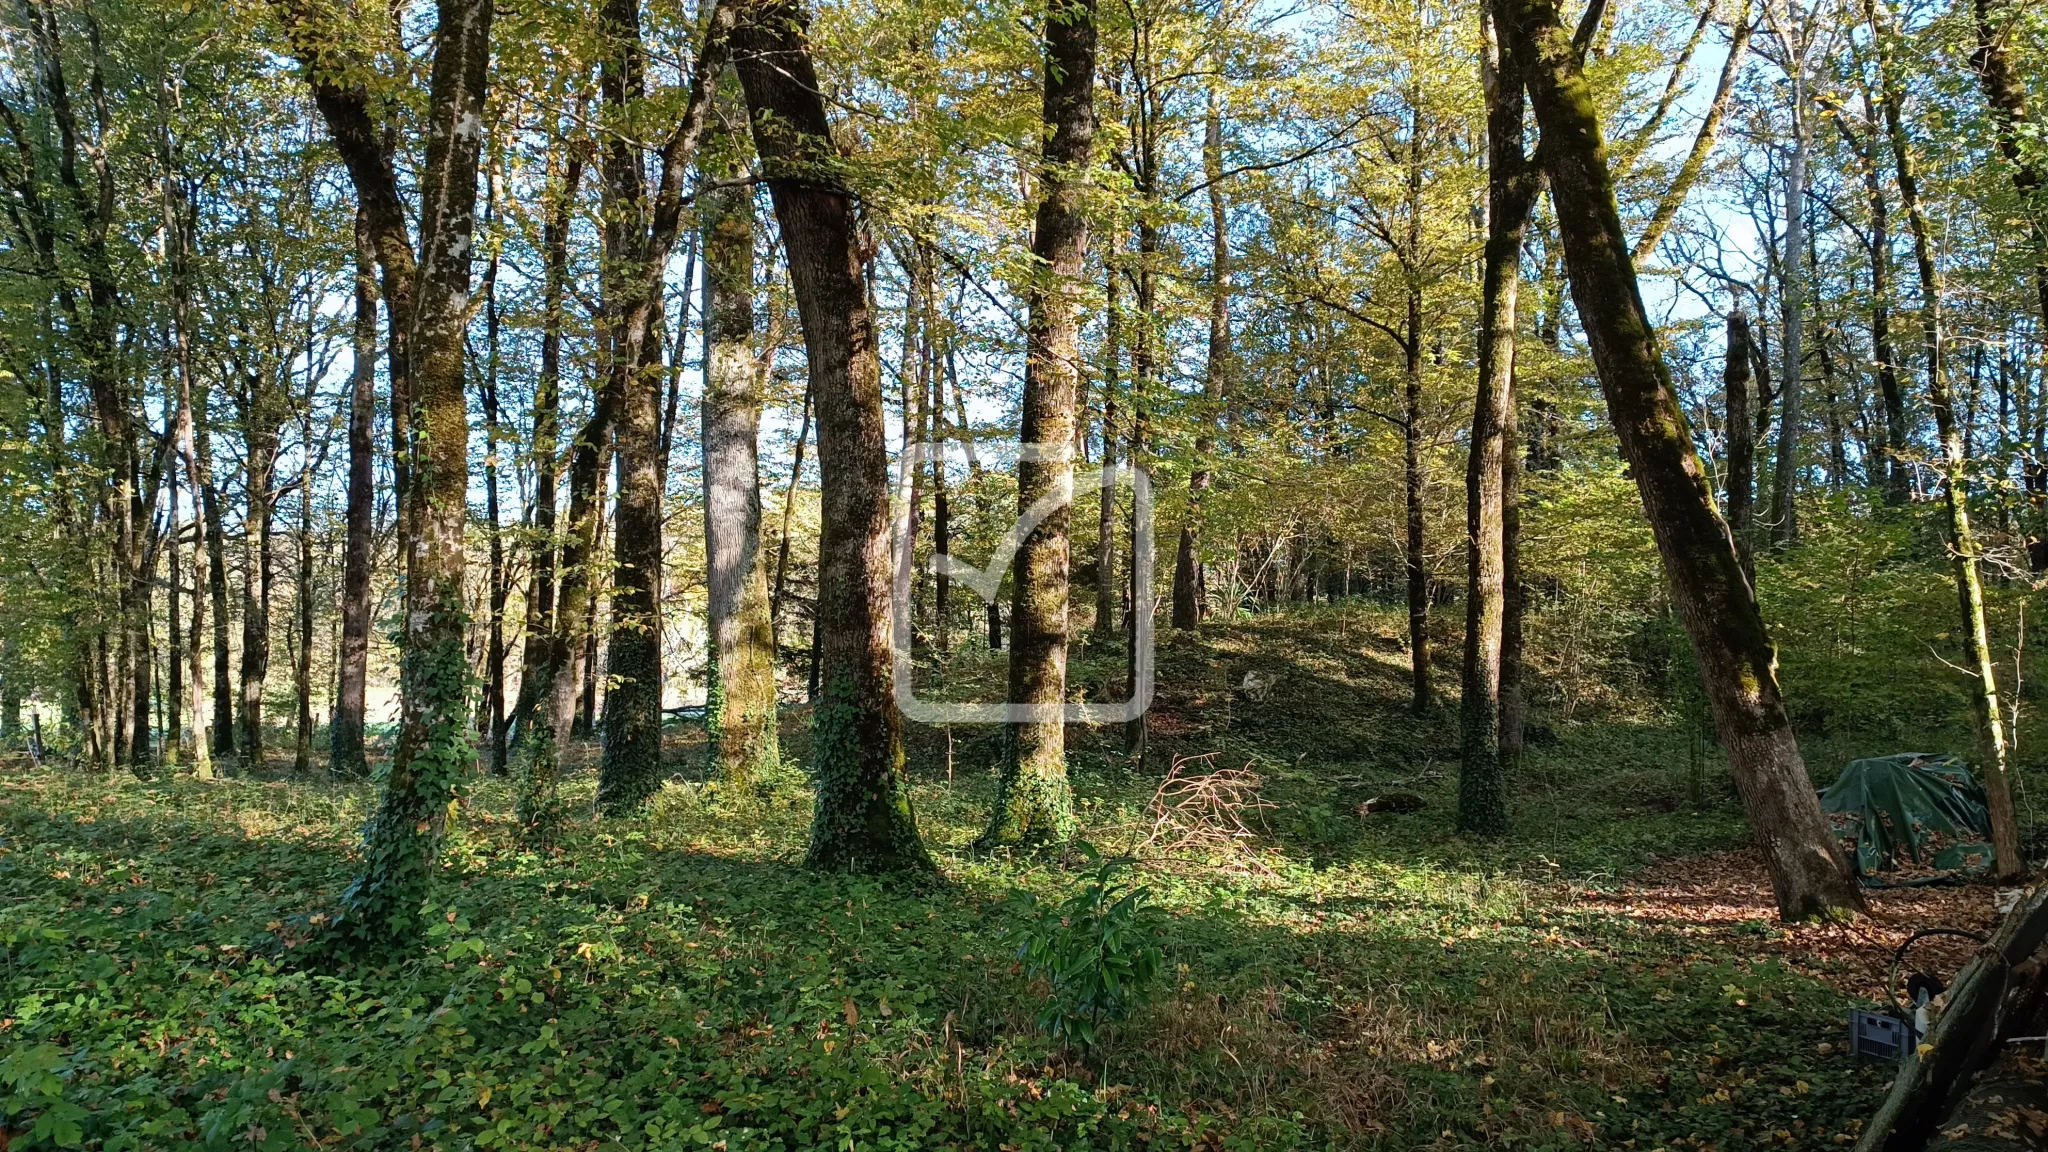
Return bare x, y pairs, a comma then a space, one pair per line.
1965, 1038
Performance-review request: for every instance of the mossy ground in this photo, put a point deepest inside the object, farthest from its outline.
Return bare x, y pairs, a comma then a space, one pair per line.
678, 980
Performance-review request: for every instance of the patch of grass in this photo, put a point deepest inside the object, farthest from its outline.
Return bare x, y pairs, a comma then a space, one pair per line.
678, 981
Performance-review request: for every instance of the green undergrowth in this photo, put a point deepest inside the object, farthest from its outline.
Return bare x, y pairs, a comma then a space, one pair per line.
678, 980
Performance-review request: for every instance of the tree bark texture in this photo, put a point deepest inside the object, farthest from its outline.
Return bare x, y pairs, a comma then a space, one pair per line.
743, 733
1511, 190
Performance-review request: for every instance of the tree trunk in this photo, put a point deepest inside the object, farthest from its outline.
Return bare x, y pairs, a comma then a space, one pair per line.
1737, 661
2007, 865
1514, 706
2006, 95
493, 711
1187, 565
1898, 481
1511, 189
1741, 467
302, 665
942, 509
223, 726
863, 820
1105, 625
542, 659
539, 720
1422, 694
796, 473
174, 689
1792, 288
260, 435
1034, 800
630, 769
433, 750
346, 754
177, 234
639, 234
742, 730
1138, 588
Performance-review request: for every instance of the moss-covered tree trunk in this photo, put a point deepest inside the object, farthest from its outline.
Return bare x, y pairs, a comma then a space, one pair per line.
863, 820
1034, 800
1511, 189
434, 749
1514, 696
1738, 664
1955, 467
742, 627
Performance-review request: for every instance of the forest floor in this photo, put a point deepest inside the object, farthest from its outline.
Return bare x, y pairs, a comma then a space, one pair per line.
1610, 975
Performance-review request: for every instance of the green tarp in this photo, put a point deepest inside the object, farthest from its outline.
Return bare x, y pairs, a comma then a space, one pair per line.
1922, 808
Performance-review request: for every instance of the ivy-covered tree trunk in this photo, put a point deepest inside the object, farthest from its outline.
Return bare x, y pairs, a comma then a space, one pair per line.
741, 624
630, 770
346, 754
863, 820
434, 750
1511, 189
1738, 665
1034, 800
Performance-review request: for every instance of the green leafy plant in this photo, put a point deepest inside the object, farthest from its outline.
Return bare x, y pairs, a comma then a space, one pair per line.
1098, 949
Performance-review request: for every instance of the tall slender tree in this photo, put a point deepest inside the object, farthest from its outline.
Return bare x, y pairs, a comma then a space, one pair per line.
1964, 552
640, 232
1511, 189
1034, 800
347, 755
